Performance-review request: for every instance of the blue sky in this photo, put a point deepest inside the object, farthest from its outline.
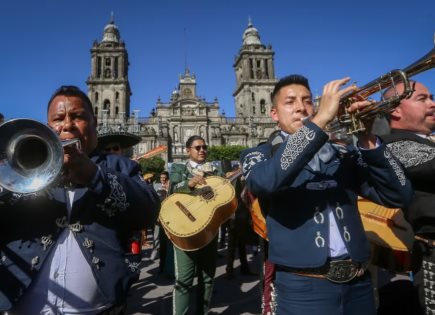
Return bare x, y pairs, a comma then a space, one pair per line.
46, 43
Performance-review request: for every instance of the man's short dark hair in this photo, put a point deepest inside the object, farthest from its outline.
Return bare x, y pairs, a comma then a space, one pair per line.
193, 138
289, 80
71, 90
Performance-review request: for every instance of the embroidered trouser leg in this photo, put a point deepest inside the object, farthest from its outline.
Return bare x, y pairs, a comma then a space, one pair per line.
424, 278
269, 295
186, 263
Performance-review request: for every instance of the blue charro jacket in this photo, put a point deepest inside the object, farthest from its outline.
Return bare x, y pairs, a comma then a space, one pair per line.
117, 202
299, 196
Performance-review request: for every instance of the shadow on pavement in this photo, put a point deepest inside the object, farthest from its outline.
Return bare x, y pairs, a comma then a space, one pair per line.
152, 293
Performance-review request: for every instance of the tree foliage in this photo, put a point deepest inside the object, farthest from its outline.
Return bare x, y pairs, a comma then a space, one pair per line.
154, 165
225, 152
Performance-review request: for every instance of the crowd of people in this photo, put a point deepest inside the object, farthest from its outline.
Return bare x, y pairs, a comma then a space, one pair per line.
63, 248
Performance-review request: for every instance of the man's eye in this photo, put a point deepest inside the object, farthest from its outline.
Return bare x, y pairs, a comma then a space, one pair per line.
79, 116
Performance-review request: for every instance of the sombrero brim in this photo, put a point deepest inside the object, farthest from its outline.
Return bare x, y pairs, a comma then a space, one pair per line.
126, 140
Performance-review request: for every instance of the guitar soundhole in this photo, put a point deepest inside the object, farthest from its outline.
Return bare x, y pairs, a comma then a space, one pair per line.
207, 193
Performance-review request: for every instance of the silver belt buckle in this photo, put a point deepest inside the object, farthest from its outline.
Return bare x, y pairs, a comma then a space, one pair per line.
342, 271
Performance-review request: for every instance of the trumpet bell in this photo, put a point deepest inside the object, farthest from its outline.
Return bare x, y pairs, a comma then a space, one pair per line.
31, 156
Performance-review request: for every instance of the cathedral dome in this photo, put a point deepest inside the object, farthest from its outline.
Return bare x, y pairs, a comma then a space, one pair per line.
251, 36
111, 32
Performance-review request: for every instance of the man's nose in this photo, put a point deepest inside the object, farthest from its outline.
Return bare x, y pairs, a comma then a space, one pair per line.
67, 124
299, 106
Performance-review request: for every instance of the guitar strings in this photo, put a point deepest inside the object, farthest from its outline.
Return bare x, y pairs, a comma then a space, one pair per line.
216, 189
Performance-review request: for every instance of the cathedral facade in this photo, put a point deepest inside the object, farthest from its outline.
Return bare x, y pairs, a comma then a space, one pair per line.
185, 114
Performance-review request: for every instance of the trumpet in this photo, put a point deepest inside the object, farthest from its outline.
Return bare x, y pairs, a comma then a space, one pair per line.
354, 123
31, 155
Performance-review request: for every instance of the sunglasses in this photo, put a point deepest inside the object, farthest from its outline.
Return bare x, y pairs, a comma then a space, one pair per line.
115, 148
199, 147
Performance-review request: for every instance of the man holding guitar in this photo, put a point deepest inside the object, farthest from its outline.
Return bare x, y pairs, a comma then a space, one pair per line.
184, 178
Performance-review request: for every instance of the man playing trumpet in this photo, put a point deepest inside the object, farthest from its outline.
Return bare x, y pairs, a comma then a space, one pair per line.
61, 248
316, 238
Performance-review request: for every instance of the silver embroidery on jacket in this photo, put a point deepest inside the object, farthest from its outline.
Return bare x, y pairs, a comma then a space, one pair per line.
396, 167
411, 153
15, 197
250, 160
296, 143
133, 266
360, 160
62, 222
117, 200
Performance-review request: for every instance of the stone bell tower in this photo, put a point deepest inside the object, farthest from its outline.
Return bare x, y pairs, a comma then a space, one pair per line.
255, 76
108, 85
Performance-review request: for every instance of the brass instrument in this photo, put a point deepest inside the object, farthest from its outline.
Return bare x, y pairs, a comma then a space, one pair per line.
354, 123
31, 155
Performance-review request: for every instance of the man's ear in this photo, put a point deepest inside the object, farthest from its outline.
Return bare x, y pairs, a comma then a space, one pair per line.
274, 114
396, 114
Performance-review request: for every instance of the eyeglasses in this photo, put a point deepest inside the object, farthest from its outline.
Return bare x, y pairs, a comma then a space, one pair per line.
199, 147
114, 148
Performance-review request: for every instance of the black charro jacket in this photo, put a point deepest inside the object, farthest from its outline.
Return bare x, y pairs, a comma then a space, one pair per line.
417, 154
116, 203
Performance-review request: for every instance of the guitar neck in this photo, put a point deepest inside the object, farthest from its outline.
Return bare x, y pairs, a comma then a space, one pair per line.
233, 176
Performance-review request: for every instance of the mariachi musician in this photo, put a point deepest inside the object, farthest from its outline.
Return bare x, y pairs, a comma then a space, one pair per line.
184, 178
61, 247
316, 238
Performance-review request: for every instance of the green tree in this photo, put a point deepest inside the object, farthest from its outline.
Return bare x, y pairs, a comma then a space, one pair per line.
225, 152
154, 165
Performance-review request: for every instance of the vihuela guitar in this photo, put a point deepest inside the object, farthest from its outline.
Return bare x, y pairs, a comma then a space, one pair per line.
257, 217
390, 235
191, 221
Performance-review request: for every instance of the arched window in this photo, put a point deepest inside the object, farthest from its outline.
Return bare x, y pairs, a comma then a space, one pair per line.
262, 106
116, 110
96, 97
96, 110
253, 96
253, 110
106, 106
175, 133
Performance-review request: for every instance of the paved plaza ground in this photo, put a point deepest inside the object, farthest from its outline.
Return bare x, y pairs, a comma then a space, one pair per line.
152, 293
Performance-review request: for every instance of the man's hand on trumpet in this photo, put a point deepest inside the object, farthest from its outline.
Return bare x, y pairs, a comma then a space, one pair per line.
366, 139
329, 108
78, 167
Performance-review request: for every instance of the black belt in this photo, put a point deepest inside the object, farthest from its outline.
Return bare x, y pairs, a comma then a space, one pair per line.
337, 271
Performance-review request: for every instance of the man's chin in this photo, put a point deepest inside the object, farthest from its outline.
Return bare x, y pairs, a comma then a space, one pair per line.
294, 127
